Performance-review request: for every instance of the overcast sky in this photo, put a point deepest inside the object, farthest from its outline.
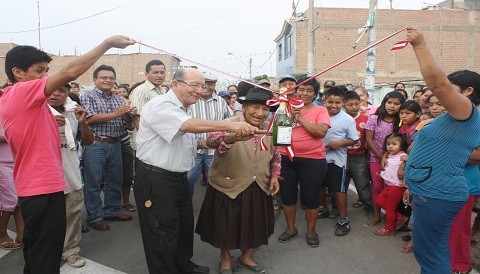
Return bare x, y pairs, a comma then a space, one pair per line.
201, 30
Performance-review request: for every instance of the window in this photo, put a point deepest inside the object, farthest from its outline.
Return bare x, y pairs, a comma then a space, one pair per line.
280, 51
288, 47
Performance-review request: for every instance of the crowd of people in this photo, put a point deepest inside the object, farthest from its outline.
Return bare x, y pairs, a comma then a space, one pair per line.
416, 157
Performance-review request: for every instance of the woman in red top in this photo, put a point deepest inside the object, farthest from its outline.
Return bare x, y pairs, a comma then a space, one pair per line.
309, 165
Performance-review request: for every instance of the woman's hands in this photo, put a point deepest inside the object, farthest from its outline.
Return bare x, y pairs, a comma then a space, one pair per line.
274, 186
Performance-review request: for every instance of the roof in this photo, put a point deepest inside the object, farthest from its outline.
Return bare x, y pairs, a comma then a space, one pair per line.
286, 29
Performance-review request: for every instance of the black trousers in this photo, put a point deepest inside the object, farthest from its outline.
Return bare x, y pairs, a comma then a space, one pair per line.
44, 234
167, 225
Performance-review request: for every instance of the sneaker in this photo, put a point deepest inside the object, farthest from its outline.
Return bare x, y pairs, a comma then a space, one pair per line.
76, 261
342, 228
333, 214
323, 213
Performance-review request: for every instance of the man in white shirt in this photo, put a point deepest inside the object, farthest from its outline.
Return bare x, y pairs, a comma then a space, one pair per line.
165, 153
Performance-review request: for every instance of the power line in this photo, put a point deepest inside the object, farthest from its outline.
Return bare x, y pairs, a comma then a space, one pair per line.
66, 23
201, 25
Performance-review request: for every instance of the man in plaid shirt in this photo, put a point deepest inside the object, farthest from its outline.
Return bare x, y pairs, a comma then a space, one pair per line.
103, 159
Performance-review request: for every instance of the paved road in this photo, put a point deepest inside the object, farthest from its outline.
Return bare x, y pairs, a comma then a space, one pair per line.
120, 250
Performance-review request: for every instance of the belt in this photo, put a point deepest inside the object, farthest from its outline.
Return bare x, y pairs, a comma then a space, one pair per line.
161, 170
110, 140
357, 155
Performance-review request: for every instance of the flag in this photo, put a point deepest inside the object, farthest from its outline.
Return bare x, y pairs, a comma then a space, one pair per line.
399, 45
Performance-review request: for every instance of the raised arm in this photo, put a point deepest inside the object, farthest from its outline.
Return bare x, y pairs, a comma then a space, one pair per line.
455, 103
80, 65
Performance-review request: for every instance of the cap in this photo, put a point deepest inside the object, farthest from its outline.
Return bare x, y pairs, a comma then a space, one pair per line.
224, 94
329, 83
264, 81
287, 77
210, 77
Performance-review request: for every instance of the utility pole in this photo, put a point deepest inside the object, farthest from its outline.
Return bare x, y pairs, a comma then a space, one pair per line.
311, 38
371, 53
38, 13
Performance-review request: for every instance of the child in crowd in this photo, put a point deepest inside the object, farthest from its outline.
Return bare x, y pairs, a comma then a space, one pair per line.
435, 109
384, 122
357, 168
425, 116
392, 194
410, 111
341, 134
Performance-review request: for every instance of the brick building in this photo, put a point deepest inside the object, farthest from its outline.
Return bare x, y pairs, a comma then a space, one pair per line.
130, 68
452, 35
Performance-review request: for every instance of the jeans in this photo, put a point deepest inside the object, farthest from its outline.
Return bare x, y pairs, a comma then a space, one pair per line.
357, 169
105, 159
433, 219
195, 172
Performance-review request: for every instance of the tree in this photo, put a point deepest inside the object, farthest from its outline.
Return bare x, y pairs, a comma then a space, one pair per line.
260, 77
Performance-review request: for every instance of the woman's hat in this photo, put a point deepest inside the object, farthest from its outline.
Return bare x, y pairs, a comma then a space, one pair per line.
257, 95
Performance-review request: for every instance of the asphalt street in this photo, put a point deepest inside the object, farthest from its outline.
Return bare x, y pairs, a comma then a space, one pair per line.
120, 249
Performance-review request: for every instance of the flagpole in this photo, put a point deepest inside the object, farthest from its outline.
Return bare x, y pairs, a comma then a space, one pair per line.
372, 52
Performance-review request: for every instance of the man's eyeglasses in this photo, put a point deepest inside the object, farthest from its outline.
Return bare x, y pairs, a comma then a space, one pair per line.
105, 78
194, 86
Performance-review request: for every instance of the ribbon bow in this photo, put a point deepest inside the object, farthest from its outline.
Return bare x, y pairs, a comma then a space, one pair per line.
291, 104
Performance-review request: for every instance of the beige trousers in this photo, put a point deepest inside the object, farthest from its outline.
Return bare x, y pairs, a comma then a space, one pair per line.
73, 234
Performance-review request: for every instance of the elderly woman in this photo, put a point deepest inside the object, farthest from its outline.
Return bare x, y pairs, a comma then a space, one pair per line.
309, 165
237, 212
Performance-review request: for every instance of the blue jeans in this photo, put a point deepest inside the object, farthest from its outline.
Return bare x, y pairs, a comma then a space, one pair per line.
357, 169
195, 172
105, 159
433, 219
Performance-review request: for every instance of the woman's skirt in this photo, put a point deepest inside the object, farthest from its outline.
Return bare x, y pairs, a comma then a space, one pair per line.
241, 223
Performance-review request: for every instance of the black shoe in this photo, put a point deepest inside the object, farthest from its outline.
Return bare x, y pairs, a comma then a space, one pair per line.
286, 236
198, 269
313, 241
342, 228
85, 229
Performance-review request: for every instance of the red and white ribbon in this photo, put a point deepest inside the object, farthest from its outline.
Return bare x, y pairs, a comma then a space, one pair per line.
400, 45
